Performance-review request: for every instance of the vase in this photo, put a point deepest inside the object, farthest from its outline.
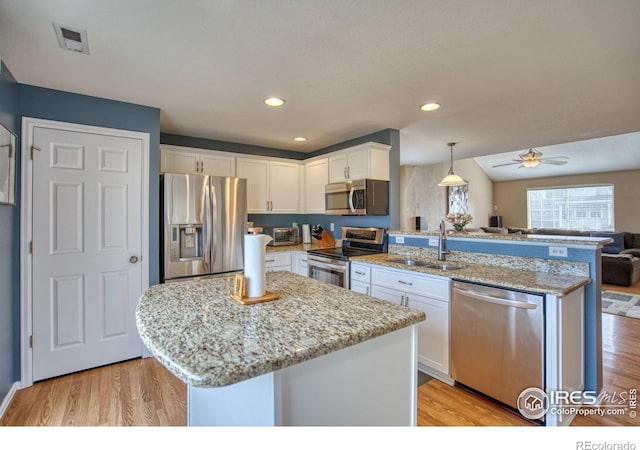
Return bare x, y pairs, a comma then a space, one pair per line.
459, 227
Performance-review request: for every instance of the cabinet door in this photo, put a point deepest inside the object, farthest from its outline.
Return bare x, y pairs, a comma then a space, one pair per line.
338, 168
283, 187
300, 264
433, 333
359, 286
358, 164
316, 177
176, 161
390, 295
219, 166
256, 171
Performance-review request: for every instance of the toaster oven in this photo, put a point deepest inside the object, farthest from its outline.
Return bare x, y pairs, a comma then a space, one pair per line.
282, 235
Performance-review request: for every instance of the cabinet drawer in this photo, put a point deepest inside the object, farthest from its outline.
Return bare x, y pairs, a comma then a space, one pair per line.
420, 284
360, 273
273, 259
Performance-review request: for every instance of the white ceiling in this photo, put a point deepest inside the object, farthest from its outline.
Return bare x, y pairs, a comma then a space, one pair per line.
608, 154
510, 74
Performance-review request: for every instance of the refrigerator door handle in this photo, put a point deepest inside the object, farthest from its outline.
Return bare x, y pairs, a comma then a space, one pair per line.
214, 225
208, 228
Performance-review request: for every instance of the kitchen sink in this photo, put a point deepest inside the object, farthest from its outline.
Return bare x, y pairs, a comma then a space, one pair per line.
444, 266
428, 264
409, 262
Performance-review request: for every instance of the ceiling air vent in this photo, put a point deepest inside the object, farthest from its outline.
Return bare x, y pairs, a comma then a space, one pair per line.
73, 39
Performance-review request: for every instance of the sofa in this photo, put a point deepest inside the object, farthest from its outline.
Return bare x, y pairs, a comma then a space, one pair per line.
620, 258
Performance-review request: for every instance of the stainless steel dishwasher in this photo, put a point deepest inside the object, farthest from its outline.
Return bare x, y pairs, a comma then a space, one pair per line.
497, 340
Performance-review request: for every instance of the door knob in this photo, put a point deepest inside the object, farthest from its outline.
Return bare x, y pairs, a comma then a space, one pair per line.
133, 259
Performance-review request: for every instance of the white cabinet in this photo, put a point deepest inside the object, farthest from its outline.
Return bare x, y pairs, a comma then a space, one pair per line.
277, 261
272, 186
370, 160
430, 294
360, 278
300, 265
564, 349
316, 177
174, 159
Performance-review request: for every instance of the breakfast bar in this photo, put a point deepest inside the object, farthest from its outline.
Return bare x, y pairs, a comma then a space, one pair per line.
318, 355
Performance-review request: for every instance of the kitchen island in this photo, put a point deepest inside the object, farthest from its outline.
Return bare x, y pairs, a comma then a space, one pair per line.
319, 355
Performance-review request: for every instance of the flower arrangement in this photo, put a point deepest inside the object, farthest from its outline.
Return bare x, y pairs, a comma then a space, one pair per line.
459, 220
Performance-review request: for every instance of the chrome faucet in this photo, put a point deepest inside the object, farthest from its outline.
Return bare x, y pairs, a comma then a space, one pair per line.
441, 241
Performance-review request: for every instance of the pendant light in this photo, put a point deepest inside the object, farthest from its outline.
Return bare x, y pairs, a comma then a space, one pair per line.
452, 179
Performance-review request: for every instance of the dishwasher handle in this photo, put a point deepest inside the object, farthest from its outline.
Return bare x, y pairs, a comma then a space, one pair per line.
496, 300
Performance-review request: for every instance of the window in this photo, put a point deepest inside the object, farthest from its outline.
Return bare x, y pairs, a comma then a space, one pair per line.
582, 208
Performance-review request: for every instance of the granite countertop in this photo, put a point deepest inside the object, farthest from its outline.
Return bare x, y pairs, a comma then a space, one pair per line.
207, 339
295, 247
541, 238
526, 280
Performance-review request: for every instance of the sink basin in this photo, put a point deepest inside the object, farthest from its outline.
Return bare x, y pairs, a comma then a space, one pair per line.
430, 265
444, 266
409, 262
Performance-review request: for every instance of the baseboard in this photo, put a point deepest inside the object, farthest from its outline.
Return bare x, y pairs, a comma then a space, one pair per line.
7, 398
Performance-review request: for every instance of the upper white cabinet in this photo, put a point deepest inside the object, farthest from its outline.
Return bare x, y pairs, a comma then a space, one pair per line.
272, 186
370, 160
174, 159
316, 177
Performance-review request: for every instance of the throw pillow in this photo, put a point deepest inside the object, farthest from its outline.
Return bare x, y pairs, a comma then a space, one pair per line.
618, 241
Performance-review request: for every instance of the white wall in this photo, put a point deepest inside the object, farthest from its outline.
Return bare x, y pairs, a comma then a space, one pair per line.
420, 194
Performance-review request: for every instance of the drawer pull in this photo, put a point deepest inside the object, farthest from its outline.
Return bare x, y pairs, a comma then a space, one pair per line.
405, 282
359, 273
270, 260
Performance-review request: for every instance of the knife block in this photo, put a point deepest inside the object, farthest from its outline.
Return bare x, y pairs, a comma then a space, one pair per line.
327, 240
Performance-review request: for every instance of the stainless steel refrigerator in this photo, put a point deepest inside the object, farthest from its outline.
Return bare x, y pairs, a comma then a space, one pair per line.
205, 220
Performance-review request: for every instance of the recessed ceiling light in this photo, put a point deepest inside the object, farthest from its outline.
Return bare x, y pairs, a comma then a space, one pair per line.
300, 139
274, 101
430, 106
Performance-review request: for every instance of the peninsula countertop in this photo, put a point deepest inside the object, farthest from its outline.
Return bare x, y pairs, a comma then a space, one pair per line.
207, 339
526, 280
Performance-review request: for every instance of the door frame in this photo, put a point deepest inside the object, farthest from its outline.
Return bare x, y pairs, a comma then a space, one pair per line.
26, 224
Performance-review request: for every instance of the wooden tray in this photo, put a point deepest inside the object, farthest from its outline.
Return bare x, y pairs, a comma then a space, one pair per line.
244, 300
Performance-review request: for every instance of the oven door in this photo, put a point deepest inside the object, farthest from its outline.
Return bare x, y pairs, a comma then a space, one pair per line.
329, 270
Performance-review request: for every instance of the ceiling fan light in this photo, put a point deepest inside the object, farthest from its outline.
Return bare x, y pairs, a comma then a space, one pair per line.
530, 162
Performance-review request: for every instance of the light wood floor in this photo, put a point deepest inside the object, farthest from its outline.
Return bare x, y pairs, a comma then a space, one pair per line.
142, 392
136, 392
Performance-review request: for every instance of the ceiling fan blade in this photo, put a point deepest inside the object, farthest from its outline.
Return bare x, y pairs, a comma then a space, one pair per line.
508, 164
555, 163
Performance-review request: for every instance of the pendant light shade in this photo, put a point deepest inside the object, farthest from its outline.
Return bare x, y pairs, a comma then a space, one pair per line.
452, 179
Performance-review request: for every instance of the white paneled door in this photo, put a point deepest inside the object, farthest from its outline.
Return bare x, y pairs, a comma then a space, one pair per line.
86, 271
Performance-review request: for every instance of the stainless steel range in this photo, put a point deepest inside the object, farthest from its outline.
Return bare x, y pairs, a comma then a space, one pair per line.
331, 265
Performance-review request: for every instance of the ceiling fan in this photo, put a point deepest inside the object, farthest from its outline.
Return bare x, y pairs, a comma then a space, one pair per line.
532, 157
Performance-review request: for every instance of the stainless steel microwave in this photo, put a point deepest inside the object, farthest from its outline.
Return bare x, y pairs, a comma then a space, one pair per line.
357, 198
282, 235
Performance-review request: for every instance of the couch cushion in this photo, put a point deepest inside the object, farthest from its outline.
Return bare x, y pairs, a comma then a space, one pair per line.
618, 241
631, 240
561, 232
518, 230
499, 230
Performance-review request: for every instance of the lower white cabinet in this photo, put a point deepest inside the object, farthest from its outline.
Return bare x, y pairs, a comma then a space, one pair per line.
427, 293
300, 264
278, 261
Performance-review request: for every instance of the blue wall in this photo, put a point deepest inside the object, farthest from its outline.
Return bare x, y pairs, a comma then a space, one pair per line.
62, 106
9, 251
